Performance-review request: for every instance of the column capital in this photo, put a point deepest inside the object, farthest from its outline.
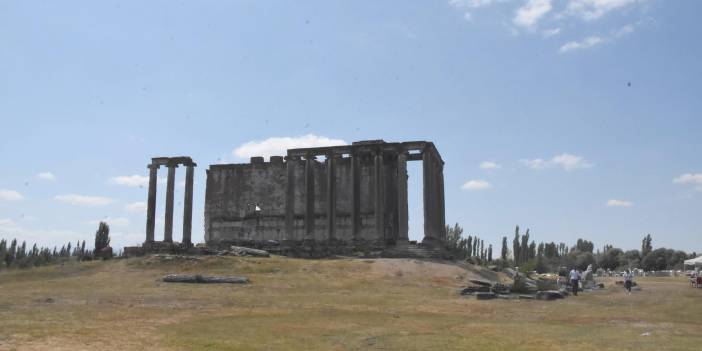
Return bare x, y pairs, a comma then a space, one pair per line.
153, 166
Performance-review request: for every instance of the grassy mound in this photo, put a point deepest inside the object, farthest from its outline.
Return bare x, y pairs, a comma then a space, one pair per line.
295, 304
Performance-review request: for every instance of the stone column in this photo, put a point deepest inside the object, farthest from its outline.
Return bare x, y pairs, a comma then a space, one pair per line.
188, 205
151, 204
437, 229
309, 197
290, 163
331, 196
355, 196
402, 206
379, 205
442, 204
427, 190
170, 187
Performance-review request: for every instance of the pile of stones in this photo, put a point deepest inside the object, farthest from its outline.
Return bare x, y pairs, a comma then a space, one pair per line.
523, 288
234, 251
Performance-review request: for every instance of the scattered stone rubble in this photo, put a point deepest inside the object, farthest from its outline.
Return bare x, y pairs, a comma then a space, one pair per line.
200, 279
524, 287
245, 251
166, 257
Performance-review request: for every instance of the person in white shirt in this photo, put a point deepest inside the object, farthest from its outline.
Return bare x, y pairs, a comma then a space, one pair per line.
574, 280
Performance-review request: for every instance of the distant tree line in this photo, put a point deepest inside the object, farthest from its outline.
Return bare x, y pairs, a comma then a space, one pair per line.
14, 255
552, 257
470, 247
17, 255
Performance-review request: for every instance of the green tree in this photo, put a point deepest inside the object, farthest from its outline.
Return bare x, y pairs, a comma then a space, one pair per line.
3, 251
516, 246
102, 236
611, 259
10, 254
505, 251
646, 245
524, 248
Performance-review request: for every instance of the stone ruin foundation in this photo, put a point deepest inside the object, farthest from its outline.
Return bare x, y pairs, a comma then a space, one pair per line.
353, 202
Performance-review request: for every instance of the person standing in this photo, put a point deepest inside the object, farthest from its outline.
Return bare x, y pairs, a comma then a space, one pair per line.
628, 280
574, 280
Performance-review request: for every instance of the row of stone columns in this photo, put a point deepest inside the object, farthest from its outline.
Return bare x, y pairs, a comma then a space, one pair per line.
331, 194
171, 164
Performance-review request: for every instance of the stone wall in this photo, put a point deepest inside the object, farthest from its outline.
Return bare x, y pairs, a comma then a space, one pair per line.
355, 194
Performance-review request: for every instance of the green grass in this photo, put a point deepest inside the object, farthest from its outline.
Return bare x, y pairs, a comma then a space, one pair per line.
343, 304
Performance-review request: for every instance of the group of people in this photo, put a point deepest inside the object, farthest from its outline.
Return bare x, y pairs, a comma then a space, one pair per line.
575, 276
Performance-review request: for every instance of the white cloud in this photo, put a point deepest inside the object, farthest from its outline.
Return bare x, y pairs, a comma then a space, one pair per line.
476, 184
46, 176
132, 180
136, 206
570, 162
689, 178
469, 5
619, 203
566, 161
10, 195
627, 29
592, 41
490, 165
279, 146
583, 44
117, 221
536, 163
83, 200
529, 15
593, 9
551, 32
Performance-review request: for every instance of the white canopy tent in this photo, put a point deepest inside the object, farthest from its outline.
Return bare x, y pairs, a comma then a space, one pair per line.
694, 262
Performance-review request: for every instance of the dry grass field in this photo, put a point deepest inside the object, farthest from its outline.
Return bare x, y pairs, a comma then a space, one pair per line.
341, 304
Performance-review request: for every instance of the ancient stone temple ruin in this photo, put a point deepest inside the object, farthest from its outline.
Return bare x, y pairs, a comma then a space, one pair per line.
171, 163
355, 198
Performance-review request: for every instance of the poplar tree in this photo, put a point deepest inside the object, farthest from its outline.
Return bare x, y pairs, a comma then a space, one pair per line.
515, 246
102, 236
10, 254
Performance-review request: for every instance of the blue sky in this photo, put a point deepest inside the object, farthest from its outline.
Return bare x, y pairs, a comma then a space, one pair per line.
584, 114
